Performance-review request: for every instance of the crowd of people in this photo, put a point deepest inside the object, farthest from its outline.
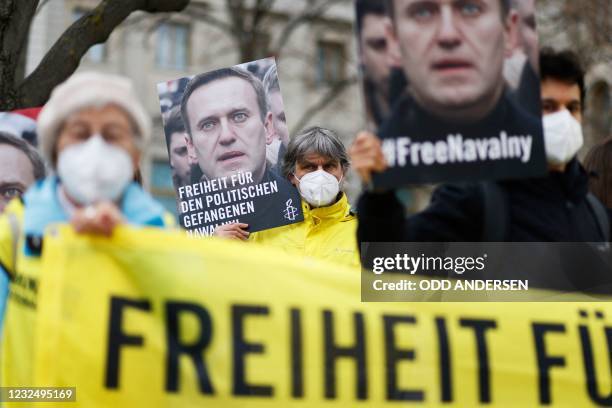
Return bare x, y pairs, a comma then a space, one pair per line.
93, 128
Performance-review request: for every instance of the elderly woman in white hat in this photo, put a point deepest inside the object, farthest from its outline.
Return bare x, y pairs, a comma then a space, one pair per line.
91, 132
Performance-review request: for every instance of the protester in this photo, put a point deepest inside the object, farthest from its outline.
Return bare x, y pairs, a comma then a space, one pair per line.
176, 141
316, 162
277, 148
20, 166
228, 122
553, 208
91, 132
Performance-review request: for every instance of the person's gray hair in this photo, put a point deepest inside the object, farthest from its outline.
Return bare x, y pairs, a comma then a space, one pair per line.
38, 166
316, 140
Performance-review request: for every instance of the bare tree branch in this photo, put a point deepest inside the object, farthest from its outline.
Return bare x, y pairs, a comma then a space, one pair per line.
202, 12
310, 13
235, 10
93, 28
326, 99
262, 10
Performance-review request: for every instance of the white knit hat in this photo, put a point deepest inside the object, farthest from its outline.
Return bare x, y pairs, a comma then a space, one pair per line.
85, 90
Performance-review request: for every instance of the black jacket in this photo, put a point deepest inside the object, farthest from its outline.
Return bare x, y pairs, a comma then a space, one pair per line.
548, 209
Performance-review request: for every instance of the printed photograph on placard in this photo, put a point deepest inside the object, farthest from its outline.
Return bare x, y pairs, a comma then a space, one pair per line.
21, 164
452, 89
225, 144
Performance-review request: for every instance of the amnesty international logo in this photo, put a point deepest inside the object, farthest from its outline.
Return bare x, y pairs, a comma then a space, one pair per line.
290, 211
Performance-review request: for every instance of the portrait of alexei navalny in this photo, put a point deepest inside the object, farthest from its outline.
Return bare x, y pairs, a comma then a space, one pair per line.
382, 78
457, 119
228, 122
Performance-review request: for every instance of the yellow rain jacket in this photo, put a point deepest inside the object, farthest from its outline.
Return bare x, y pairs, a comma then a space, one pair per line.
327, 232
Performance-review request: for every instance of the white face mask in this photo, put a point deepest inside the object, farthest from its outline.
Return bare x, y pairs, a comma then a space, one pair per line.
562, 137
94, 171
318, 188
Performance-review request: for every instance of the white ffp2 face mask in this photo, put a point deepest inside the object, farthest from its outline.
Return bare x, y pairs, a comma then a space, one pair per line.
318, 188
562, 137
94, 171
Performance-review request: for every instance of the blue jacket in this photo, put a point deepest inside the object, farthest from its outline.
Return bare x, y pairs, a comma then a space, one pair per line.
41, 208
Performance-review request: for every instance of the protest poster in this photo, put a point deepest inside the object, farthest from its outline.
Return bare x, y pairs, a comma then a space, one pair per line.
149, 326
226, 135
452, 90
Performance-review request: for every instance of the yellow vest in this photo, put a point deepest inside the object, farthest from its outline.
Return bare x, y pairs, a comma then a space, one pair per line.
328, 232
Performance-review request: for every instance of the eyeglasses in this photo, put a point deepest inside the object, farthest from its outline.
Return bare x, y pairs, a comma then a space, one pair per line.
7, 193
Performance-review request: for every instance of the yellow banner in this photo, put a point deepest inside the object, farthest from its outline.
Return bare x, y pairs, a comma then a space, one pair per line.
151, 318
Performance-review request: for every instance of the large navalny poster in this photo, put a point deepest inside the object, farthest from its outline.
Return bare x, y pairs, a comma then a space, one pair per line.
452, 89
226, 135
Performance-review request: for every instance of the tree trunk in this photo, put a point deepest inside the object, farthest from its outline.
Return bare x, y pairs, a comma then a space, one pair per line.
15, 18
65, 55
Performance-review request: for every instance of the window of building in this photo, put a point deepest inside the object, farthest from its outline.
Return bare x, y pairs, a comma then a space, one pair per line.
172, 46
96, 53
162, 187
330, 62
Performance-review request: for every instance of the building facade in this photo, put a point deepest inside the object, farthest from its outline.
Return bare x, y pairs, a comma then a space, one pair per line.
316, 67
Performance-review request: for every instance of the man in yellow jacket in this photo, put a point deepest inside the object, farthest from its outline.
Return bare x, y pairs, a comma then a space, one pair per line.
316, 163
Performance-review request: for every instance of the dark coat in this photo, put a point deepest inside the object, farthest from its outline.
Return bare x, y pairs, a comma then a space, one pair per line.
548, 209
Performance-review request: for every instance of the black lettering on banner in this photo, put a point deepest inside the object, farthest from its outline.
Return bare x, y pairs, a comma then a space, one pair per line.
545, 361
242, 348
117, 338
297, 355
589, 367
446, 385
333, 352
393, 355
484, 373
194, 350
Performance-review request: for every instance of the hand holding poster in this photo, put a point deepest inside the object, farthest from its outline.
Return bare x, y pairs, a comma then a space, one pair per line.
221, 172
457, 118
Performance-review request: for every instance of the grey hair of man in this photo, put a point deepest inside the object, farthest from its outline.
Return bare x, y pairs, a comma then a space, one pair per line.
223, 73
38, 165
315, 140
